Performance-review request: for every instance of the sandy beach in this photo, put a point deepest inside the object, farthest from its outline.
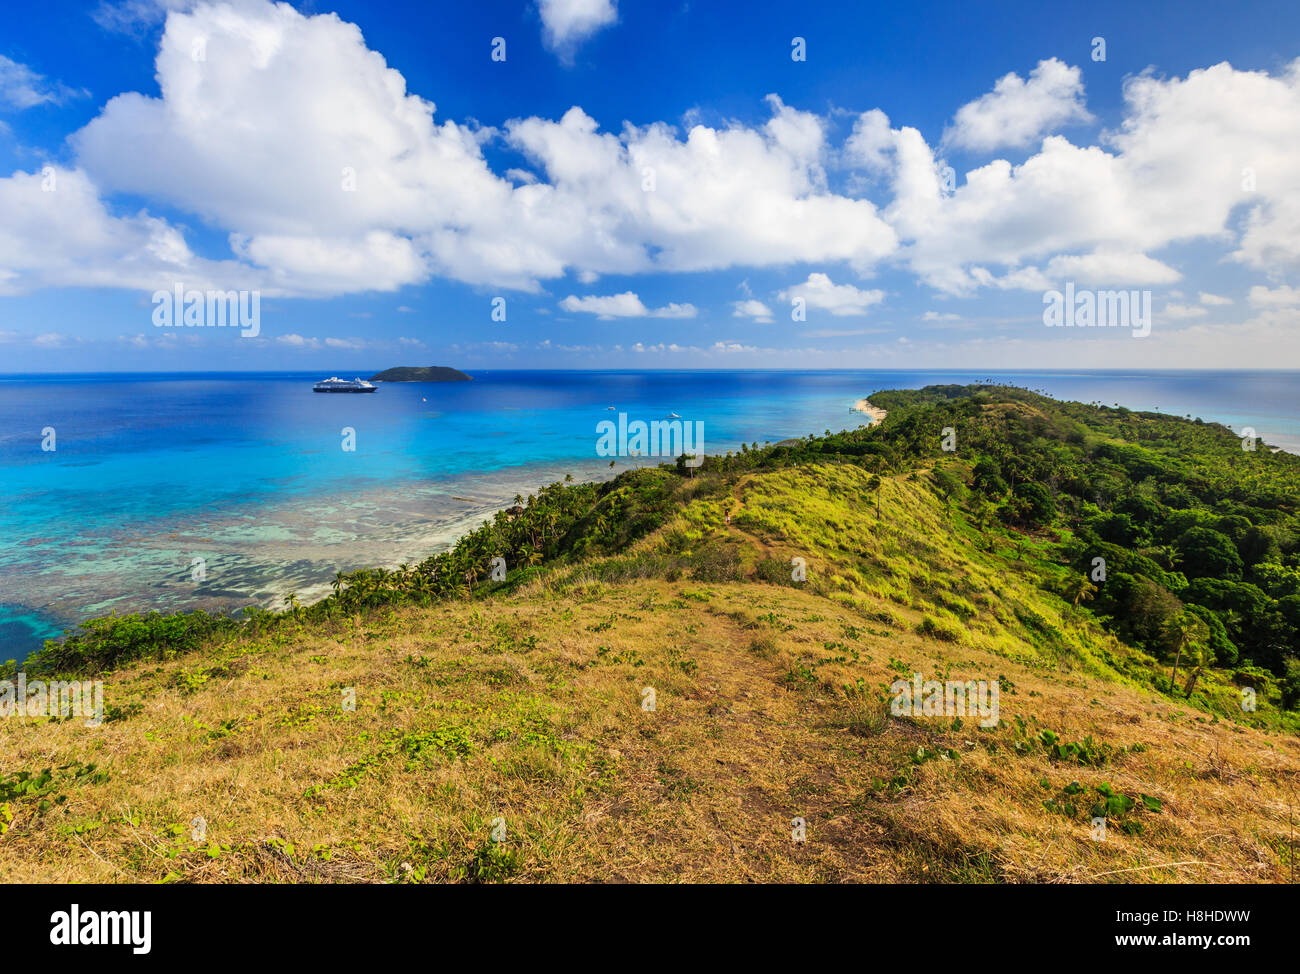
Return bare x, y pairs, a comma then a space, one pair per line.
875, 413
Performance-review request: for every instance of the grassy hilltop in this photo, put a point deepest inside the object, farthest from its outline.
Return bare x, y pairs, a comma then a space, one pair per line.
484, 705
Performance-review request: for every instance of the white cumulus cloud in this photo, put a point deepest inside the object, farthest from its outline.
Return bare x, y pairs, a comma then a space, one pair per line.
330, 177
301, 146
1018, 112
751, 308
1169, 174
1278, 297
625, 305
820, 292
566, 23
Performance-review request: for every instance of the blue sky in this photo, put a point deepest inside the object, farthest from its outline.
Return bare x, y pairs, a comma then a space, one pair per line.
135, 164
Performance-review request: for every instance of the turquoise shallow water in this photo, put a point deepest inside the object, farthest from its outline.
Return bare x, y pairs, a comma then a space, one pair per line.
247, 473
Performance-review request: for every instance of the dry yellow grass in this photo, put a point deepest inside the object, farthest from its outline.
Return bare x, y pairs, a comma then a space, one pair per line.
531, 711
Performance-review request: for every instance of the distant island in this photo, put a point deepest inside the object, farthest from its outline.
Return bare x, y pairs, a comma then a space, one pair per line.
426, 373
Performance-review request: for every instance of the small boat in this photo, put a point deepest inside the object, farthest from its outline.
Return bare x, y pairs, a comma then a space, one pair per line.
674, 416
335, 384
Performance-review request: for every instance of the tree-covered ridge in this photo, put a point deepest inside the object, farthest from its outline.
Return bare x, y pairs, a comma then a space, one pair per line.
1200, 537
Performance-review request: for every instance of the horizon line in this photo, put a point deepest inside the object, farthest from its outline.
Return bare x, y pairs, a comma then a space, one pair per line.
950, 371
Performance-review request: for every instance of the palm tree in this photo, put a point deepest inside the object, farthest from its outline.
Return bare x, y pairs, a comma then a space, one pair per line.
1200, 656
1079, 589
1181, 631
1166, 556
874, 485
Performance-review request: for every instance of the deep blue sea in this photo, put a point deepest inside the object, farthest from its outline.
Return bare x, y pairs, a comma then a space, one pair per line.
217, 490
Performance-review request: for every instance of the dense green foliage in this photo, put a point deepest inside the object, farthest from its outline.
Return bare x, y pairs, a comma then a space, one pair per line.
1200, 537
111, 641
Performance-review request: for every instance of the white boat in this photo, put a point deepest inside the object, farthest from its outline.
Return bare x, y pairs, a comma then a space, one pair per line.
335, 384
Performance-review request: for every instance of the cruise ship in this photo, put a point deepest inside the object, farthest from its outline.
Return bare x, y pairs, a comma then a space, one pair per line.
335, 384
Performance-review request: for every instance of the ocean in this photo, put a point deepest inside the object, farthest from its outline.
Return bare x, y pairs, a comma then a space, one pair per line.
123, 492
